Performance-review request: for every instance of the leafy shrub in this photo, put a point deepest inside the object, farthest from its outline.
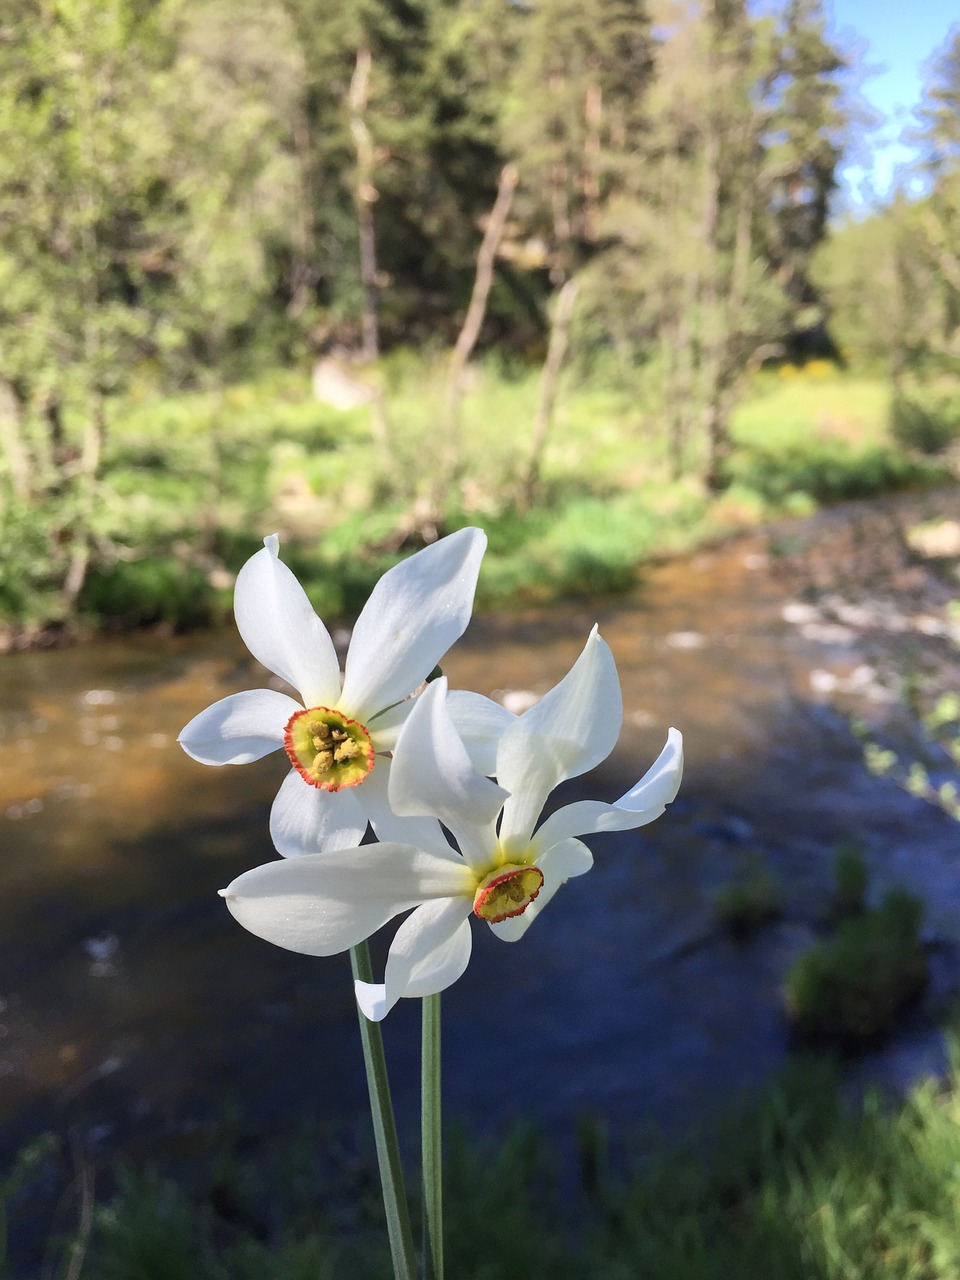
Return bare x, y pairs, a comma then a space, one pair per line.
827, 469
154, 589
926, 420
848, 990
32, 562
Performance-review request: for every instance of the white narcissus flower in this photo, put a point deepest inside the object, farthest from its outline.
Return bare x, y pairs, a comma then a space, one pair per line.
337, 738
506, 869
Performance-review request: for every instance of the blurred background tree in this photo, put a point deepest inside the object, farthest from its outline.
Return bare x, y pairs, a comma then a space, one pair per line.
196, 194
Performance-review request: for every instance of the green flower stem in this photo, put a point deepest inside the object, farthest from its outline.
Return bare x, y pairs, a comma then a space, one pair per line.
431, 1138
385, 1131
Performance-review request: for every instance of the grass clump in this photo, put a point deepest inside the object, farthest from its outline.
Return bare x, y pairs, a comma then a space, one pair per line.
848, 990
826, 470
926, 419
852, 878
751, 900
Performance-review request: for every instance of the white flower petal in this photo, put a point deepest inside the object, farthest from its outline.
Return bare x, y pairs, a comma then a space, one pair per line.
305, 819
372, 999
444, 965
432, 774
239, 728
641, 804
559, 864
414, 614
384, 729
570, 730
281, 630
481, 723
424, 833
429, 953
325, 902
661, 782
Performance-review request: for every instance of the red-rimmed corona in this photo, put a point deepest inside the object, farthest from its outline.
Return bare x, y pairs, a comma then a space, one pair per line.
328, 749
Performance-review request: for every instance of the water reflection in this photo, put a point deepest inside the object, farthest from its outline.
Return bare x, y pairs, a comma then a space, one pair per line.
131, 1003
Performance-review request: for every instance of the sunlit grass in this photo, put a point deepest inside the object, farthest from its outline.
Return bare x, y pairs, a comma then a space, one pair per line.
779, 410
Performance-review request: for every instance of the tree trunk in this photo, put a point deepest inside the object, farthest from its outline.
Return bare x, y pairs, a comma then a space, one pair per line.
303, 270
556, 350
493, 233
86, 487
593, 115
364, 195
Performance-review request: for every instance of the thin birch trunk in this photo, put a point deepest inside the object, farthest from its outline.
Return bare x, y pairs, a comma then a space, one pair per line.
593, 115
546, 396
303, 272
364, 195
466, 341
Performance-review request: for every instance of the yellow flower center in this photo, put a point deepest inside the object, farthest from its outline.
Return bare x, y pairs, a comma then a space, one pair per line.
327, 748
507, 892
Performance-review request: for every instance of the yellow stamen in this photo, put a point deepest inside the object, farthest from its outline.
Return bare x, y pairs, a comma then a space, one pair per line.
328, 749
507, 892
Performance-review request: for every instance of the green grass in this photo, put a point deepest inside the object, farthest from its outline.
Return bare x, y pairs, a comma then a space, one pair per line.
191, 483
802, 1186
783, 408
848, 990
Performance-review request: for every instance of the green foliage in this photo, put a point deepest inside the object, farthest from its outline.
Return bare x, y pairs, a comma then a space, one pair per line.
151, 590
826, 469
29, 590
803, 1184
189, 485
154, 1235
26, 1169
852, 877
848, 989
926, 419
752, 900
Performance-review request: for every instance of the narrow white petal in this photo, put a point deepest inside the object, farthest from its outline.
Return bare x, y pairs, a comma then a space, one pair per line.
481, 723
559, 864
640, 805
305, 819
281, 630
570, 730
239, 728
425, 833
429, 953
661, 782
432, 774
443, 966
372, 999
325, 902
414, 614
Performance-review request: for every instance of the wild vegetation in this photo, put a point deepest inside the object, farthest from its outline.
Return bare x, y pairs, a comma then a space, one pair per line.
805, 1185
542, 251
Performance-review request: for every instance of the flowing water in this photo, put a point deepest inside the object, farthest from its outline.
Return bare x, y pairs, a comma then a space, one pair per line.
132, 1005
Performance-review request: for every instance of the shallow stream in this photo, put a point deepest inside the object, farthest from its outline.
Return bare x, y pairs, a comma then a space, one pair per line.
132, 1006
